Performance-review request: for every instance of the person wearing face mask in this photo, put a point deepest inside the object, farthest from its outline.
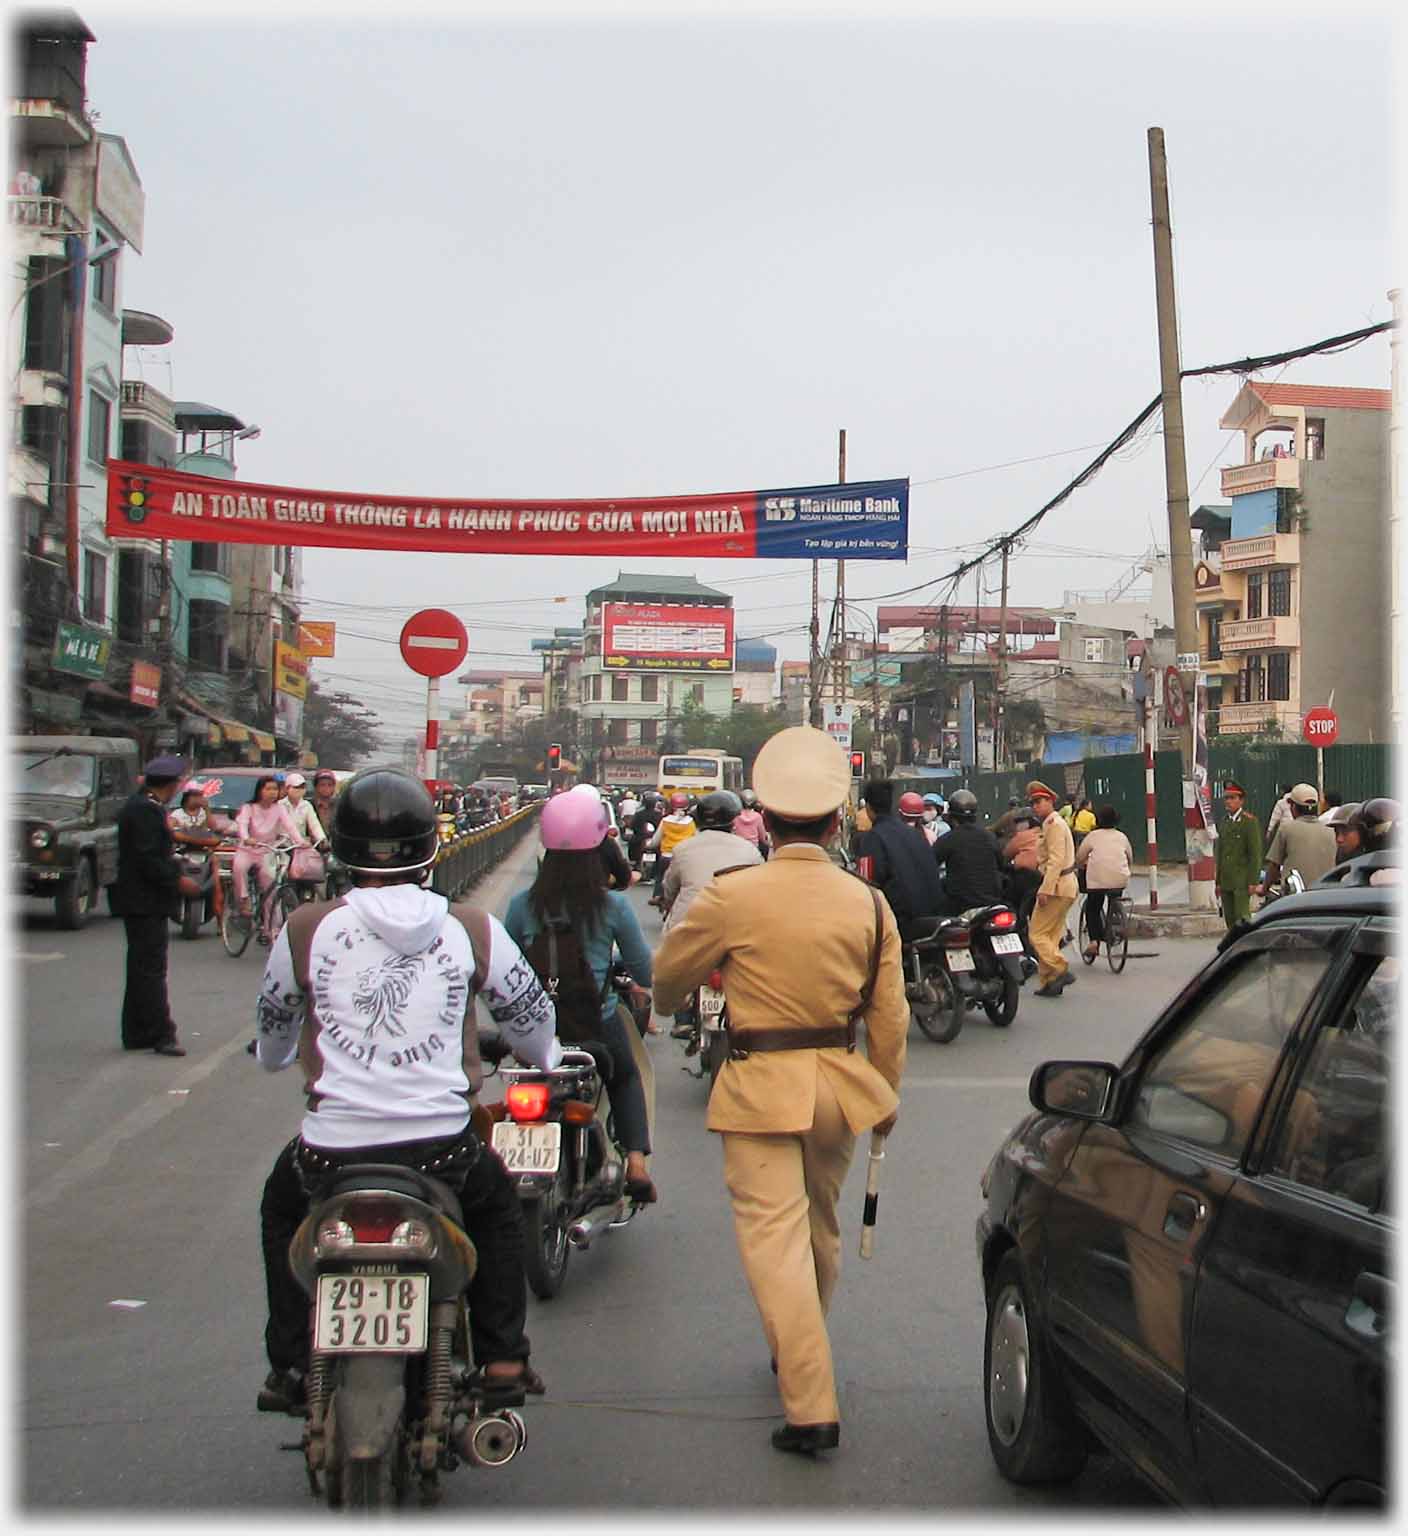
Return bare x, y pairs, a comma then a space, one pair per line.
933, 825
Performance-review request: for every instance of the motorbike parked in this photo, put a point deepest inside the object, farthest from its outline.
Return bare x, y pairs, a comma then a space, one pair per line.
970, 961
558, 1145
385, 1260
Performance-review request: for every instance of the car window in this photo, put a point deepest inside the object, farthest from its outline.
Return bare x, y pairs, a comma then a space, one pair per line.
1335, 1137
111, 778
1206, 1082
54, 773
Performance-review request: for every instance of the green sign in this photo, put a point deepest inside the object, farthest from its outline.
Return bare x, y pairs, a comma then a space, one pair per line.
83, 652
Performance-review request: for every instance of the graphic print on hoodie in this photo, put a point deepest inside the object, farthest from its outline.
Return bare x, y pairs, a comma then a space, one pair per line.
390, 977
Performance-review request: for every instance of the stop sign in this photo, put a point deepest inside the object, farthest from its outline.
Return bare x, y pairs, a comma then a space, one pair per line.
1321, 727
433, 642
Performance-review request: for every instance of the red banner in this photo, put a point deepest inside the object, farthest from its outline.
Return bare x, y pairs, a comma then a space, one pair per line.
867, 520
682, 637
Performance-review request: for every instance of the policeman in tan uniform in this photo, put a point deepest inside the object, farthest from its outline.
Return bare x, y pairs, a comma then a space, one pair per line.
801, 944
1056, 894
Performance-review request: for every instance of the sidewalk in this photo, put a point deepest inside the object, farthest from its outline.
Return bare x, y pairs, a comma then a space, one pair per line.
1171, 918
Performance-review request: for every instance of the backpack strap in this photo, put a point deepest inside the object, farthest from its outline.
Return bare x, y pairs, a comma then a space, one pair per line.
868, 990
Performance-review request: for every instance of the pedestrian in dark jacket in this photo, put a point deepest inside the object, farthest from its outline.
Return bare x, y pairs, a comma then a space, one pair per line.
897, 858
146, 896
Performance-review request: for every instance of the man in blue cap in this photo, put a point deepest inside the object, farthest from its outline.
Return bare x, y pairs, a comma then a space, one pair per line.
146, 896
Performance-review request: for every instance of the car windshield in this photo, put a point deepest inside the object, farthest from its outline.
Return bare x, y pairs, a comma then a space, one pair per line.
46, 773
227, 789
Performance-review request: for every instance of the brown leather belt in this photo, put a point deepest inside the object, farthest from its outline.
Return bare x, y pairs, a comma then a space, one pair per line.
743, 1042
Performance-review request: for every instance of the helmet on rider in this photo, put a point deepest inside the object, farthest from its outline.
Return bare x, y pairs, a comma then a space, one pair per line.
749, 799
962, 805
574, 822
716, 812
1348, 841
911, 807
324, 776
384, 824
679, 802
1374, 821
935, 800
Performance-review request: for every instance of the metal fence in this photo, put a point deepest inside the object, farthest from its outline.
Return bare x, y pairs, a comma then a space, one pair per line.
465, 860
1358, 772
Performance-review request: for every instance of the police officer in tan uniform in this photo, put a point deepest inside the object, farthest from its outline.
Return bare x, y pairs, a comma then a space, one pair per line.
805, 949
1056, 894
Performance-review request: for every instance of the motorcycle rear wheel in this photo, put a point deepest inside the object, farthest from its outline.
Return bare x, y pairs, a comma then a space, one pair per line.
545, 1246
192, 911
1002, 1010
942, 1021
368, 1484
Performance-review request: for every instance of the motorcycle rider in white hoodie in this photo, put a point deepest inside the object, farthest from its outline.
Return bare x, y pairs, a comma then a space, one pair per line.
373, 996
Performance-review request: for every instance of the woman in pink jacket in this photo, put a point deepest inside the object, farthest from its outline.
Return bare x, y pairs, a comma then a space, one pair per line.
1106, 857
259, 824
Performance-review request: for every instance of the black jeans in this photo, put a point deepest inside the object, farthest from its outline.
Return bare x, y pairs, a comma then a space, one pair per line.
625, 1090
146, 1010
1095, 914
498, 1298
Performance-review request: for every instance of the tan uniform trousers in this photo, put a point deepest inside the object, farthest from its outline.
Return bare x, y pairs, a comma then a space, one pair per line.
1046, 928
784, 1191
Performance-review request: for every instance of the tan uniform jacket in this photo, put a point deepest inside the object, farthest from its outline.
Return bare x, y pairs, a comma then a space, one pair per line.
793, 938
1058, 852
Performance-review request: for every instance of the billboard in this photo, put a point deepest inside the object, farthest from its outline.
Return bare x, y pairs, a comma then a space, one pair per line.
865, 520
290, 671
674, 637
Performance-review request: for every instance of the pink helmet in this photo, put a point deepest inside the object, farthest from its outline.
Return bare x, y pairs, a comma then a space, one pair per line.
575, 821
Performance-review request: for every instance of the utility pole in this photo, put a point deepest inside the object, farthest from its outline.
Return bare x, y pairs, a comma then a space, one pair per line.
814, 717
999, 733
839, 678
1180, 533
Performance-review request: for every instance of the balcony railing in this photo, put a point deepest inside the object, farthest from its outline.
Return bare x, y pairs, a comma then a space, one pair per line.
1263, 549
1245, 719
1263, 475
49, 213
1260, 634
137, 396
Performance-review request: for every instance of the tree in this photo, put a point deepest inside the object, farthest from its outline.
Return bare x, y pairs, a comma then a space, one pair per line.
339, 730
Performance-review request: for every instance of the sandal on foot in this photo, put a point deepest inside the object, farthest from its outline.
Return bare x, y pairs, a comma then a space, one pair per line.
505, 1391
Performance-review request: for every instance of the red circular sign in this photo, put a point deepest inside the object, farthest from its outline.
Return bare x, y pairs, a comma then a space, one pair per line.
434, 642
1321, 727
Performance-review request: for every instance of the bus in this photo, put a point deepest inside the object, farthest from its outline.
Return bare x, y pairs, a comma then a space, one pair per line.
699, 771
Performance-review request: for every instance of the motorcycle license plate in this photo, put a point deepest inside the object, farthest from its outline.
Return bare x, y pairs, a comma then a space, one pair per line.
372, 1314
529, 1148
1006, 944
711, 1003
960, 959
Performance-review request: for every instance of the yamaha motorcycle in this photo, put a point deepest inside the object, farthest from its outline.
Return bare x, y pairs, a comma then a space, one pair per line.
385, 1260
705, 1034
970, 961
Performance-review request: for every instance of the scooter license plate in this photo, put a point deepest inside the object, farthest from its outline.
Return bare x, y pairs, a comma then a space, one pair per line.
529, 1148
1007, 944
959, 959
371, 1314
711, 1003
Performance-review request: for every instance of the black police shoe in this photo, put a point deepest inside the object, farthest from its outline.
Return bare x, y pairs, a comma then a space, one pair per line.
283, 1392
807, 1439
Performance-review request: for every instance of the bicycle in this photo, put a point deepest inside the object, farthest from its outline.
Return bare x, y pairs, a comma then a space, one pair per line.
1116, 942
272, 912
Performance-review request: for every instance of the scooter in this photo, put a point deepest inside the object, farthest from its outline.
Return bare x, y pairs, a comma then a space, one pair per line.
706, 1036
385, 1260
970, 961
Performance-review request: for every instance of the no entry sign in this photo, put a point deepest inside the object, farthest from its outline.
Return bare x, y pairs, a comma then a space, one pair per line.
433, 642
1321, 727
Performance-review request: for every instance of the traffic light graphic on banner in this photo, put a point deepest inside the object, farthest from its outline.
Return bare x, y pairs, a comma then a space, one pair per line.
135, 500
857, 765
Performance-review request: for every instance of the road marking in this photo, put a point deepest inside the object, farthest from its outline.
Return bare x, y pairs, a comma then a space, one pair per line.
962, 1082
56, 954
126, 1304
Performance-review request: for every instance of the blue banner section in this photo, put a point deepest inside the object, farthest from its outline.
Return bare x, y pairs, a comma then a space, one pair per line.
867, 520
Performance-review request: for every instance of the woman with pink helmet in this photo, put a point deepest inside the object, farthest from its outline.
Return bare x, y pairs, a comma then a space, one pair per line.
570, 894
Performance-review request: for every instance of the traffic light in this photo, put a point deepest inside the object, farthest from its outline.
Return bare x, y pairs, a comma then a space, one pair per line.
857, 765
136, 500
554, 758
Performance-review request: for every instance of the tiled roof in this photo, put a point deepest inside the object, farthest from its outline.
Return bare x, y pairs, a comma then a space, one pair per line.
1328, 397
627, 585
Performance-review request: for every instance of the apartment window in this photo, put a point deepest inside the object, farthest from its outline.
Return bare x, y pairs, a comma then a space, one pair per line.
1278, 675
1251, 682
696, 694
99, 426
649, 690
1094, 649
620, 689
1215, 636
211, 557
1278, 592
582, 690
105, 279
618, 730
649, 729
596, 687
47, 319
95, 587
209, 630
1315, 437
1254, 584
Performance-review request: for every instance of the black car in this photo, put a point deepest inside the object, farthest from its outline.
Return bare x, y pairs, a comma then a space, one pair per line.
1186, 1259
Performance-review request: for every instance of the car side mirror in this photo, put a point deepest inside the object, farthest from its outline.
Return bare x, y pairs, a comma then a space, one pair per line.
1085, 1089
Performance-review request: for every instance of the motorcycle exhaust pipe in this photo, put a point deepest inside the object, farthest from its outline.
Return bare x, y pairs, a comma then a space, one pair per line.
585, 1228
492, 1440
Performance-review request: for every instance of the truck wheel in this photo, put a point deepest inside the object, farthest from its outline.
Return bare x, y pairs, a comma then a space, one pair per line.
77, 897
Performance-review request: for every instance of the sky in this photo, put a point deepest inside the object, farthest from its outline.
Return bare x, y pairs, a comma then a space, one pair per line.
568, 253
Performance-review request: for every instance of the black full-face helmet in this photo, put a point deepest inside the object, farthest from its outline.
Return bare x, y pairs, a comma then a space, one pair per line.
384, 824
717, 811
962, 805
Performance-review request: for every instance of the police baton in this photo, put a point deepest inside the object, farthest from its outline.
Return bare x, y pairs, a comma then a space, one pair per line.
872, 1194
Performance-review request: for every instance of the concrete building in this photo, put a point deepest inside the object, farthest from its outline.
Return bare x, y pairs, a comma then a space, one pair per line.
1299, 553
674, 660
755, 673
500, 704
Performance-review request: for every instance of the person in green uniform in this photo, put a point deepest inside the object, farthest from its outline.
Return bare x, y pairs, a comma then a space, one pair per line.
1238, 861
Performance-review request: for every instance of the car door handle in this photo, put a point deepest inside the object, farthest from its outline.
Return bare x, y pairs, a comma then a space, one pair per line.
1184, 1213
1374, 1291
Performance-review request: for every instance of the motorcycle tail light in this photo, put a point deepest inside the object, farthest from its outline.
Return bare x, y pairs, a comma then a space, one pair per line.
335, 1234
528, 1101
956, 938
414, 1234
578, 1112
1003, 920
716, 980
373, 1221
